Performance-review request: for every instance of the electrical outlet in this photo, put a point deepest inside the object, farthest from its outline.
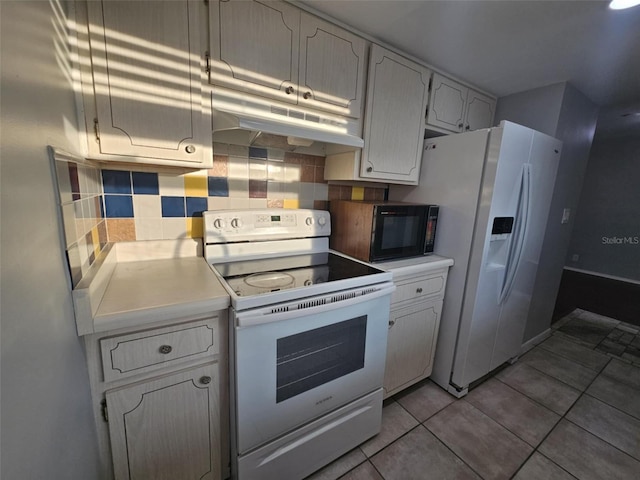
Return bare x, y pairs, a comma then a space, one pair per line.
565, 215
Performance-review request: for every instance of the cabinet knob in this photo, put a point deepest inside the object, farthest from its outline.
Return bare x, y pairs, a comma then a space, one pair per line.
205, 380
288, 90
460, 126
369, 169
392, 323
307, 95
164, 349
190, 149
467, 127
419, 290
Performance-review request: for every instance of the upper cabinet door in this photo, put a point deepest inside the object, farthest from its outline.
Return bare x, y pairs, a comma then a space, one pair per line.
456, 108
332, 67
447, 105
480, 111
146, 71
254, 47
397, 96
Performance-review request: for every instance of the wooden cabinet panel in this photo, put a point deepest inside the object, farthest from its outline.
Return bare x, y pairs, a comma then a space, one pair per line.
272, 49
167, 428
146, 72
419, 290
448, 104
332, 63
480, 111
254, 47
413, 332
141, 352
395, 112
456, 108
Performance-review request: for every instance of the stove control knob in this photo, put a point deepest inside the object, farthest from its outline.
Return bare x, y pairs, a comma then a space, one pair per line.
219, 223
322, 221
236, 223
309, 221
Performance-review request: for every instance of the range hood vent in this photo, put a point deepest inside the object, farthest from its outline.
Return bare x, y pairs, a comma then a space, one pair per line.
290, 129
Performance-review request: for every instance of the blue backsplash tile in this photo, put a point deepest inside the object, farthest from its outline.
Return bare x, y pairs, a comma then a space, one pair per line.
255, 152
195, 206
116, 181
145, 183
119, 206
172, 206
218, 186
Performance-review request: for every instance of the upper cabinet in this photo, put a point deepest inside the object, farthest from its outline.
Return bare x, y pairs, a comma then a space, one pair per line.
397, 96
456, 108
272, 49
142, 83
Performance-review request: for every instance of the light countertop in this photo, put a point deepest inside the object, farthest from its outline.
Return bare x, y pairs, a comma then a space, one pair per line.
155, 290
408, 266
125, 293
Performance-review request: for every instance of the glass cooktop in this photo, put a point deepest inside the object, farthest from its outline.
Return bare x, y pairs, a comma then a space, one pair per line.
253, 277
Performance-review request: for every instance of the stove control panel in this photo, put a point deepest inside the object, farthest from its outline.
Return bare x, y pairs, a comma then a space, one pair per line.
222, 226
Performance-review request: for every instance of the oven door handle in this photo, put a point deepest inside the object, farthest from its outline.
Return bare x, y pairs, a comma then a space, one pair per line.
265, 315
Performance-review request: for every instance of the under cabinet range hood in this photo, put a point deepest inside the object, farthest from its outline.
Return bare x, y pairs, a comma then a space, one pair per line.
242, 119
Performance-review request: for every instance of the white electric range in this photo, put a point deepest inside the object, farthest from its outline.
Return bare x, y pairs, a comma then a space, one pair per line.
308, 338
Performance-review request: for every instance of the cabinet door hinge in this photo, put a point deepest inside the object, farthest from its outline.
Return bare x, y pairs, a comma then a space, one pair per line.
104, 411
96, 129
207, 59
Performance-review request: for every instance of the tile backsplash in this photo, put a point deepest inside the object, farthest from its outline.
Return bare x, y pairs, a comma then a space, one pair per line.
151, 206
111, 205
81, 206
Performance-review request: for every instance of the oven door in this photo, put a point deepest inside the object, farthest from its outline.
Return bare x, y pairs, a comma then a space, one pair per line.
305, 362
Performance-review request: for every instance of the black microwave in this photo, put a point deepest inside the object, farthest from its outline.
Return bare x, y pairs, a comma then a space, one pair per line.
374, 231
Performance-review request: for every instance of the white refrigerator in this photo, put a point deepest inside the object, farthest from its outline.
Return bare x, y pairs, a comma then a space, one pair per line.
494, 188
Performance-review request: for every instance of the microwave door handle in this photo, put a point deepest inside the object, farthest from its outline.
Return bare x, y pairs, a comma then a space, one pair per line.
515, 254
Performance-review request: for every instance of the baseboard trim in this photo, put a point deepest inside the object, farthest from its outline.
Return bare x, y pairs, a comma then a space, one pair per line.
529, 344
603, 275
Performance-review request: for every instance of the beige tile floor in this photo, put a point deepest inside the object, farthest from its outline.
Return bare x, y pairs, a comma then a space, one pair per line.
567, 409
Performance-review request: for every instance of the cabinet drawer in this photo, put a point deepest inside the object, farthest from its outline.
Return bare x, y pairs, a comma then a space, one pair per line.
140, 352
419, 288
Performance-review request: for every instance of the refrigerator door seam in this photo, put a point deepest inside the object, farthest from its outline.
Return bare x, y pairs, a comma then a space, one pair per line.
512, 268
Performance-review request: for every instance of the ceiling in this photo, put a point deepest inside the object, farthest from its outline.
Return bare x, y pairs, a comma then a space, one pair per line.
506, 47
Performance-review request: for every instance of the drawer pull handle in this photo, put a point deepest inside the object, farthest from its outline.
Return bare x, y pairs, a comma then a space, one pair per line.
164, 349
205, 380
419, 290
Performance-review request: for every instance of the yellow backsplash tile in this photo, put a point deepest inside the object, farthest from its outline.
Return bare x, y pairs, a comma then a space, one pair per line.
195, 186
195, 227
291, 203
95, 240
357, 193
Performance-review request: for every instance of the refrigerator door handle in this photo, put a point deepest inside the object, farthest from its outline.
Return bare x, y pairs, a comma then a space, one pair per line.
515, 254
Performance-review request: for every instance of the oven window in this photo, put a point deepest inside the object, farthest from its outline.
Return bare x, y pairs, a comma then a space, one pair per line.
309, 359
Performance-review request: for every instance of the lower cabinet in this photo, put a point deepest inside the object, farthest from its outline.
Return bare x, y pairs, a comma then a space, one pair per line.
161, 400
411, 344
167, 428
414, 319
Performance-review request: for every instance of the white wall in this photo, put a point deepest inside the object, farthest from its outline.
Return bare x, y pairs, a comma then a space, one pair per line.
609, 207
538, 108
47, 425
561, 111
